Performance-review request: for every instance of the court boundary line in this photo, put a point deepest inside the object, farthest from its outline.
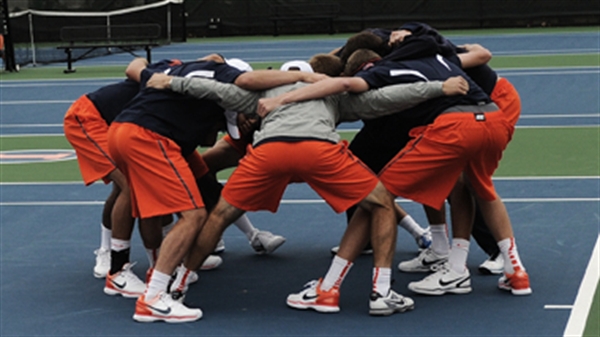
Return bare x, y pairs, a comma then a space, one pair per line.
585, 296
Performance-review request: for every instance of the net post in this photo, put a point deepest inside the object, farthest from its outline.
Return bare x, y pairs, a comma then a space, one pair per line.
9, 50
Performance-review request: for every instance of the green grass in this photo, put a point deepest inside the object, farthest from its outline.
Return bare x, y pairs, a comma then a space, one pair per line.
532, 152
592, 328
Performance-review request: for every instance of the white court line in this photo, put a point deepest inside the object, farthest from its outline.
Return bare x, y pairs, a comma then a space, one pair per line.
585, 295
558, 306
36, 102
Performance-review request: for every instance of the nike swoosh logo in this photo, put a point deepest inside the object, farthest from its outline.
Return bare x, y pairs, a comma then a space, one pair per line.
444, 283
307, 297
120, 286
160, 311
429, 263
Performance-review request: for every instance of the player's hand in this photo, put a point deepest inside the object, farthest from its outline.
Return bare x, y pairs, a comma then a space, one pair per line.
246, 125
159, 81
455, 86
397, 36
266, 105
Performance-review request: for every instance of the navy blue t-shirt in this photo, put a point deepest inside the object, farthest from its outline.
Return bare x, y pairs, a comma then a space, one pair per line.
111, 99
483, 75
385, 73
182, 118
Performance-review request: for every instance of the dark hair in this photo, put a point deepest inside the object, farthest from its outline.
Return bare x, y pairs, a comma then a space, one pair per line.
327, 64
363, 40
358, 59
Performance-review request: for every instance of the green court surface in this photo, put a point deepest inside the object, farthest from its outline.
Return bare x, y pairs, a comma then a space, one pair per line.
532, 152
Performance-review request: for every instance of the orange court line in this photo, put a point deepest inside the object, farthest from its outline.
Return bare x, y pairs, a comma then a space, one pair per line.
35, 156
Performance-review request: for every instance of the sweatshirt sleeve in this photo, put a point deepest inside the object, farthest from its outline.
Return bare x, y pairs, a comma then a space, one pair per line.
228, 96
387, 100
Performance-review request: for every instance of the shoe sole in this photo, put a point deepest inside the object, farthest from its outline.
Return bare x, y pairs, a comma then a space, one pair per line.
516, 292
318, 308
438, 292
486, 271
388, 311
113, 292
274, 245
150, 319
99, 275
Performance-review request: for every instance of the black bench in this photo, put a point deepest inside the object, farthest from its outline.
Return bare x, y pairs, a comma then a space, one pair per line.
304, 12
125, 37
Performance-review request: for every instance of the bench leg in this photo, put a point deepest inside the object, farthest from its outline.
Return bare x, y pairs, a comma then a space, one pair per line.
148, 54
70, 68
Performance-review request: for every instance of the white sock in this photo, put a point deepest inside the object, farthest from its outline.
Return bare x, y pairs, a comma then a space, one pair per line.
439, 239
105, 235
458, 255
152, 255
411, 226
119, 245
508, 248
337, 272
244, 224
382, 280
158, 282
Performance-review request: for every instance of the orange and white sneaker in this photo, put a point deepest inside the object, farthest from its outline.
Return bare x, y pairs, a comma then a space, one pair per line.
124, 283
163, 308
517, 283
312, 297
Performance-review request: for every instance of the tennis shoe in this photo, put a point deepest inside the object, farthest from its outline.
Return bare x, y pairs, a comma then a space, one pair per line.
312, 297
102, 262
386, 305
445, 280
264, 242
493, 265
220, 247
182, 278
164, 308
426, 261
424, 240
366, 251
124, 283
211, 262
517, 283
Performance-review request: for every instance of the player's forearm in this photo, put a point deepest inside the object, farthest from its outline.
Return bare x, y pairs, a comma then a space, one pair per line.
321, 89
228, 96
388, 100
267, 79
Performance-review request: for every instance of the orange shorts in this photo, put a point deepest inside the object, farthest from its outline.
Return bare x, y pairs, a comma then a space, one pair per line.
197, 165
87, 132
239, 145
507, 98
331, 170
429, 165
159, 177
